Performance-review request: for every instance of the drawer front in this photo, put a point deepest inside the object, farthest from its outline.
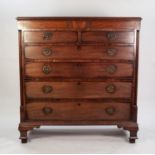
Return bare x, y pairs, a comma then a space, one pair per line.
52, 37
86, 90
102, 36
84, 52
78, 70
77, 111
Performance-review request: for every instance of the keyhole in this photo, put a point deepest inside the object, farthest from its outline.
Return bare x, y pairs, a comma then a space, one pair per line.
78, 83
79, 104
78, 47
78, 65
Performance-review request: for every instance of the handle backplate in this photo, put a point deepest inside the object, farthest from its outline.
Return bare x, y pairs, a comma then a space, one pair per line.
111, 69
110, 110
46, 52
111, 52
47, 110
46, 69
47, 89
111, 35
111, 88
47, 35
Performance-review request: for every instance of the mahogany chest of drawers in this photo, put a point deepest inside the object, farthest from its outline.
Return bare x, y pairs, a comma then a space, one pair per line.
78, 71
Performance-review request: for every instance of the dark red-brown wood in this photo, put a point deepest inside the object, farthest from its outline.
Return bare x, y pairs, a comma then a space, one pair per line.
84, 52
84, 90
78, 111
55, 37
78, 71
110, 36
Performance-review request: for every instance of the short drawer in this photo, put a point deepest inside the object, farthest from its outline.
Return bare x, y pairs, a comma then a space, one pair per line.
86, 90
42, 111
78, 70
112, 36
50, 36
71, 52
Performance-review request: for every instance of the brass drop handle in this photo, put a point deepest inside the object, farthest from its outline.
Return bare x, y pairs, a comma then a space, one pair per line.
46, 52
111, 69
111, 51
111, 35
111, 88
47, 110
47, 35
46, 69
47, 89
110, 110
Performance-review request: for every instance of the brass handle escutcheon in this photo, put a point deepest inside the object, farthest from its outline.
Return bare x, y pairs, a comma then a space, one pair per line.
110, 88
46, 69
47, 110
111, 35
110, 110
111, 69
47, 35
111, 51
47, 89
46, 52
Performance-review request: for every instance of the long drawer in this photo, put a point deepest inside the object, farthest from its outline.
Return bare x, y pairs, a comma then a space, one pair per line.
77, 111
72, 52
81, 70
85, 90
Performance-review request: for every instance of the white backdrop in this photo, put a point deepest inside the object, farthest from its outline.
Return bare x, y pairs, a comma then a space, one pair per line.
9, 69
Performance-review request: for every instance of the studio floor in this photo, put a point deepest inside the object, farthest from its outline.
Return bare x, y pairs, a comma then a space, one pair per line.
76, 139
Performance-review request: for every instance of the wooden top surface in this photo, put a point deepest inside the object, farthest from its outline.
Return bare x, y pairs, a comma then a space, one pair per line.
79, 18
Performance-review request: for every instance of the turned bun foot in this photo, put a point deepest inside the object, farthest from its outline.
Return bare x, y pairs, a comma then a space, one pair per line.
132, 140
133, 136
118, 126
23, 140
23, 136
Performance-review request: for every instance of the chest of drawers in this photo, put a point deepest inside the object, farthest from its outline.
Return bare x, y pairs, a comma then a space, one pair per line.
78, 71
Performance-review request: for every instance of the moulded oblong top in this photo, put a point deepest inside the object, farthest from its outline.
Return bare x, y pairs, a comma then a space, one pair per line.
78, 18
